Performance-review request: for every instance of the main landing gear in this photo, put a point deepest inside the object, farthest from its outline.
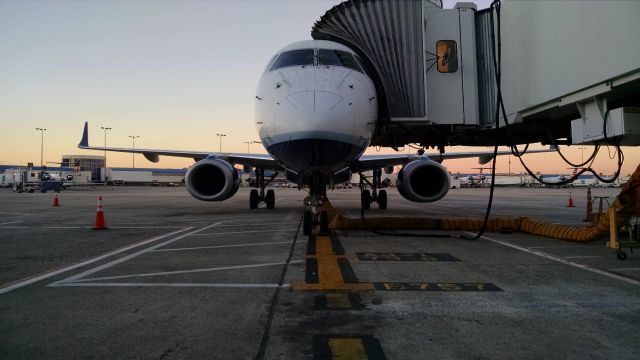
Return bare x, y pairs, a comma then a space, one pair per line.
378, 196
255, 197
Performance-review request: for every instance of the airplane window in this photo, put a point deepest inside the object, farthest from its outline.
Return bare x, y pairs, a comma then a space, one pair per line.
338, 58
294, 58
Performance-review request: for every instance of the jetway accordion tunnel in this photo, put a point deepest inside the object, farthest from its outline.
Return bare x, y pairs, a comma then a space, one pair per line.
625, 205
565, 67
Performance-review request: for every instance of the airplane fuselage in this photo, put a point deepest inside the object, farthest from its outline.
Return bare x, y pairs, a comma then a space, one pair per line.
315, 108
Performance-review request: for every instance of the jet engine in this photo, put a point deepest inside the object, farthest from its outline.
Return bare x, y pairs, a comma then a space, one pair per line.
423, 180
212, 180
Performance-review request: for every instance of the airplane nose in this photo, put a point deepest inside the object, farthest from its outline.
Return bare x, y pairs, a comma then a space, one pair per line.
315, 101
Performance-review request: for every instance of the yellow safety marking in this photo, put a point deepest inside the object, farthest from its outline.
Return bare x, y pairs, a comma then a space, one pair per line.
338, 301
329, 274
329, 271
347, 348
302, 286
323, 246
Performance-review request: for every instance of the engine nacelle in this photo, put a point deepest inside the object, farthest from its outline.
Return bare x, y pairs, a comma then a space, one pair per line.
212, 180
423, 181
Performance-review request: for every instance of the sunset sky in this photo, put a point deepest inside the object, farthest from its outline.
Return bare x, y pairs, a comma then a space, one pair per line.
173, 73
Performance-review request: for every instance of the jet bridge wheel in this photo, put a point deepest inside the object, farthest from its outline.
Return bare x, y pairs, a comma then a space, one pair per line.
254, 199
365, 199
270, 199
621, 255
382, 199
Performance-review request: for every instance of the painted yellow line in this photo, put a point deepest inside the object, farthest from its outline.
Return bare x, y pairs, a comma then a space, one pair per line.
347, 348
323, 246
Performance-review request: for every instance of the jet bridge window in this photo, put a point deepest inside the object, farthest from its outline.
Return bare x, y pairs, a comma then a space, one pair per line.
294, 58
338, 58
447, 56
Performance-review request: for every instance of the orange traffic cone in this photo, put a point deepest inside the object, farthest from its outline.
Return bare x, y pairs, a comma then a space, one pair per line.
56, 202
99, 225
570, 201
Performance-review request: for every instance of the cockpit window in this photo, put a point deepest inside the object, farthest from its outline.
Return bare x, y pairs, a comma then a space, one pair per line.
337, 58
294, 58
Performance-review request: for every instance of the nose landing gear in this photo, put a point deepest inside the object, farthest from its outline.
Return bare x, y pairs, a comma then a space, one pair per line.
314, 215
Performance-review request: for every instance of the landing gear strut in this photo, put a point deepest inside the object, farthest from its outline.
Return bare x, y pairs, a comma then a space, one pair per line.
312, 214
256, 197
378, 196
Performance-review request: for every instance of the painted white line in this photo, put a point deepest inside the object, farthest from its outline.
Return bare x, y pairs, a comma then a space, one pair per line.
11, 222
143, 227
262, 206
583, 257
553, 247
15, 213
561, 260
178, 272
210, 285
131, 256
246, 232
625, 269
267, 224
224, 246
32, 280
86, 227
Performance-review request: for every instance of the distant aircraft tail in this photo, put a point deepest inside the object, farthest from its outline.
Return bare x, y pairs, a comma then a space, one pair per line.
85, 136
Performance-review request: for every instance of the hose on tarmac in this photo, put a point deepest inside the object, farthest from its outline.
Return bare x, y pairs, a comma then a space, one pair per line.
626, 204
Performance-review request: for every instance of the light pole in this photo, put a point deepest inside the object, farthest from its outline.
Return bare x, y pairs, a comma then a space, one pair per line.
220, 136
41, 145
582, 152
249, 143
133, 155
105, 152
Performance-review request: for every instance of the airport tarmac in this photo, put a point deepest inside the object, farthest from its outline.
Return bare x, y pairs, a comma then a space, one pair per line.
177, 278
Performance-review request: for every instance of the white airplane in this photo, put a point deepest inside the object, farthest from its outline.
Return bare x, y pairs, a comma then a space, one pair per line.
478, 178
47, 176
316, 112
561, 178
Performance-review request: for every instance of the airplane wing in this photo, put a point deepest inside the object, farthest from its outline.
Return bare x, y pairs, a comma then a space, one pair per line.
370, 162
263, 161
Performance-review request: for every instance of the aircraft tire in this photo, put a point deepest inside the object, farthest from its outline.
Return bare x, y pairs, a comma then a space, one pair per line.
270, 199
307, 222
365, 199
382, 199
254, 199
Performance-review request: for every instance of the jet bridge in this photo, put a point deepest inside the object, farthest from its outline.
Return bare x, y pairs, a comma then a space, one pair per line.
565, 67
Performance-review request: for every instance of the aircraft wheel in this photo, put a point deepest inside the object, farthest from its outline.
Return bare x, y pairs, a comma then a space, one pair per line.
621, 255
307, 223
365, 199
270, 199
382, 199
254, 199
